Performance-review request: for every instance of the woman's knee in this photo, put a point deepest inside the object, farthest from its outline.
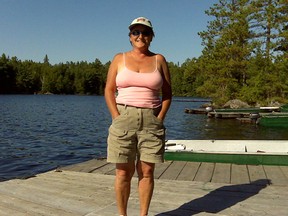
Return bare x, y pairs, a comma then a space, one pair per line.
145, 169
125, 170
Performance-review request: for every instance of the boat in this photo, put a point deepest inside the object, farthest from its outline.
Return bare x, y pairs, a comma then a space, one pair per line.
246, 113
196, 111
233, 113
249, 110
263, 109
284, 108
256, 152
274, 120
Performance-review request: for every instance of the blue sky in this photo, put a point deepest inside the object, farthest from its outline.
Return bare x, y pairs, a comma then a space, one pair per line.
83, 30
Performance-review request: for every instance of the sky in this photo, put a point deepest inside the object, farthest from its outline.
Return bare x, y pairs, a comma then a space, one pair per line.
85, 30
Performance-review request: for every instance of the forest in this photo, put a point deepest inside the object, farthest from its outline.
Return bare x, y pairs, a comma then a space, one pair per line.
244, 56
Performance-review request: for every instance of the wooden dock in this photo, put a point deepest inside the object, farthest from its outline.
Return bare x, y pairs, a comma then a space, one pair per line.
181, 188
228, 115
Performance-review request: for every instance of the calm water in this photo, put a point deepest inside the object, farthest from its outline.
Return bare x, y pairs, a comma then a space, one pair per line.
41, 132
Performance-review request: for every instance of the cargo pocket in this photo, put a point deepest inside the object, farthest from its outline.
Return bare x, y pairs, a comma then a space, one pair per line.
117, 133
158, 134
120, 122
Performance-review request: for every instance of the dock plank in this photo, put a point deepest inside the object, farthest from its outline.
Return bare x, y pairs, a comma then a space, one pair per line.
4, 210
7, 204
54, 200
189, 171
284, 169
256, 172
175, 169
108, 168
222, 173
239, 174
275, 174
87, 166
161, 168
205, 172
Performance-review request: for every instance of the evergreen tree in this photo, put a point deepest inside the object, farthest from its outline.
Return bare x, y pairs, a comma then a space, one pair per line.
268, 21
226, 50
7, 76
243, 31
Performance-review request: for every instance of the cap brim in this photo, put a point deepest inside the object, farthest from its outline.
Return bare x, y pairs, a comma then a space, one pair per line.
131, 26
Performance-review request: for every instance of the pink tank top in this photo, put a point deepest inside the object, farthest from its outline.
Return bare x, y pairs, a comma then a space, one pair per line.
139, 89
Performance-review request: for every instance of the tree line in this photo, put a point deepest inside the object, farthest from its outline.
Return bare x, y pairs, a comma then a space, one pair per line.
28, 77
244, 56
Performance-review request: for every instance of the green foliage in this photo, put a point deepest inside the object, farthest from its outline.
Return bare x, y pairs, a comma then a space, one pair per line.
7, 76
240, 48
71, 78
28, 79
245, 56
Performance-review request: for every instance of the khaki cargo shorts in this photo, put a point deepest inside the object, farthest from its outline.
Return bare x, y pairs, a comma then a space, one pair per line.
136, 133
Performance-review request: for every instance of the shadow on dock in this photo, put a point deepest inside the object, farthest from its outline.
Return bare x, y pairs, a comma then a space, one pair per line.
219, 199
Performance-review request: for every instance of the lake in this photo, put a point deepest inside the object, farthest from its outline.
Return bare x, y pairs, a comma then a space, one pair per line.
42, 132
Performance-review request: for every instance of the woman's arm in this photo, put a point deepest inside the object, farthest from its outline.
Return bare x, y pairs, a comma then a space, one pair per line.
166, 87
110, 88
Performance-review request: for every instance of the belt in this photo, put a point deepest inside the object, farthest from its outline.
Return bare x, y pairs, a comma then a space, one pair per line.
120, 104
125, 105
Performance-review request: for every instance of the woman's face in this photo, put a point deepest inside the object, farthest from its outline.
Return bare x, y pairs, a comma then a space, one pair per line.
141, 36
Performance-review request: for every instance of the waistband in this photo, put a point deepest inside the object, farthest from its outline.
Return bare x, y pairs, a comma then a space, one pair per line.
126, 105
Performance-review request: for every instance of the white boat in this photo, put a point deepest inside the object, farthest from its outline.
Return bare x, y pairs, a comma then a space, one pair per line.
266, 152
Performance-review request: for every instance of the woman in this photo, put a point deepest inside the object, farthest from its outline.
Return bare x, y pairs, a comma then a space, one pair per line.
136, 137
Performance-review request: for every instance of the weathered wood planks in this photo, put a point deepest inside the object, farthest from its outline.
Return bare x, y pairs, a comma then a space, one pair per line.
181, 188
198, 171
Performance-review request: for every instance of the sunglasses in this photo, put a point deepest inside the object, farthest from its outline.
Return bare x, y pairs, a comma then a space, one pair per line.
137, 33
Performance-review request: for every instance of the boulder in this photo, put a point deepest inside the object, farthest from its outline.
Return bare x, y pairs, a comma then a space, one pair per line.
236, 104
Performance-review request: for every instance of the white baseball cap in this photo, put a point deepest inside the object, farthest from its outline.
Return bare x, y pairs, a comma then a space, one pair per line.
141, 21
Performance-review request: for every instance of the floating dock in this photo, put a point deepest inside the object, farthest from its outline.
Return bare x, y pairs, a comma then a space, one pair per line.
181, 188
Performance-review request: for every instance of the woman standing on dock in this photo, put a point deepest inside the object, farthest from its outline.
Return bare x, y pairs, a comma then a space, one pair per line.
136, 137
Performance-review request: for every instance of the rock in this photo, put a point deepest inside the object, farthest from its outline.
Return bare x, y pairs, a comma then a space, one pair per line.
274, 104
235, 104
205, 105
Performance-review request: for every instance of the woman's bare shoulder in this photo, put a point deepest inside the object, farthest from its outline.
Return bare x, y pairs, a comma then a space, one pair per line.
118, 57
160, 57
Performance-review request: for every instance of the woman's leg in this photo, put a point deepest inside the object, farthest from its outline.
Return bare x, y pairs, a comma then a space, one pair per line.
124, 173
145, 185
